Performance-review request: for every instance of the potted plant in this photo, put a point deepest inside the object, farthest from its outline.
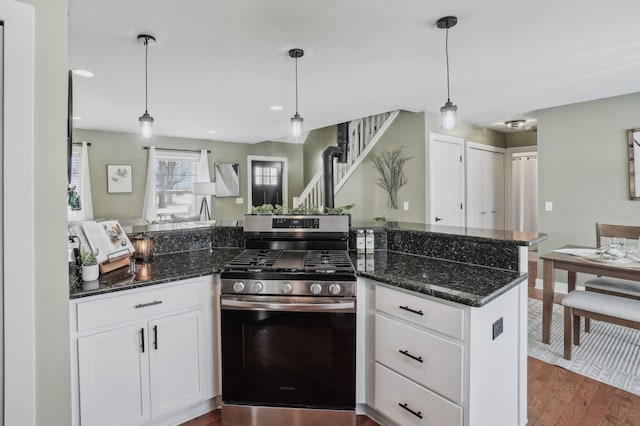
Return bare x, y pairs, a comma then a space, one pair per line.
90, 270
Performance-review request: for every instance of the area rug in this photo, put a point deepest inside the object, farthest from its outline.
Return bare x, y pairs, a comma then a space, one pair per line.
609, 353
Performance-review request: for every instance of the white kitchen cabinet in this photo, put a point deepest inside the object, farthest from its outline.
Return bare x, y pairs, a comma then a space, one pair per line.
439, 363
114, 377
143, 356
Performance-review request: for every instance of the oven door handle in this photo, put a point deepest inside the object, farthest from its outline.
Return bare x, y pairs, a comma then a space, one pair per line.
342, 306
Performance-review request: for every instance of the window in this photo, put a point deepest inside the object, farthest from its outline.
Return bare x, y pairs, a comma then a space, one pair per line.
175, 174
265, 175
74, 203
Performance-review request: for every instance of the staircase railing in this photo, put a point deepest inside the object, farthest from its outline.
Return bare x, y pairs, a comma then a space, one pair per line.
364, 133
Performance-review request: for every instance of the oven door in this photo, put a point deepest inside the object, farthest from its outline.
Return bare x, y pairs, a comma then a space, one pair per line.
289, 351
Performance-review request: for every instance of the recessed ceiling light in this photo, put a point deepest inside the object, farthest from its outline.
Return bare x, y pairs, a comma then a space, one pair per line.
275, 108
75, 117
83, 73
213, 132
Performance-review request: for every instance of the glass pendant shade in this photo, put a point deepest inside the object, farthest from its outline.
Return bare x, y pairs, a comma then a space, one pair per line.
296, 125
146, 125
448, 116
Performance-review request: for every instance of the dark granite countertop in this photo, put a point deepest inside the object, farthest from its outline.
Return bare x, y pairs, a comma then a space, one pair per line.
458, 282
162, 269
463, 283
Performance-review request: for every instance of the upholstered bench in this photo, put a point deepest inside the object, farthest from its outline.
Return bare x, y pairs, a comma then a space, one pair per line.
614, 287
598, 306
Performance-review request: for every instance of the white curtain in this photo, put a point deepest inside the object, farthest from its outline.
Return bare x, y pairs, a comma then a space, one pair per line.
525, 193
150, 207
203, 176
86, 202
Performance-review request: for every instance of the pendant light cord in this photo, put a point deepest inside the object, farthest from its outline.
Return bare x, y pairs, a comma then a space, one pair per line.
146, 78
446, 52
296, 85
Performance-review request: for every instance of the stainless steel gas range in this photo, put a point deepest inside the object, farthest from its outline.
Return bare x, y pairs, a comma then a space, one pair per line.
288, 308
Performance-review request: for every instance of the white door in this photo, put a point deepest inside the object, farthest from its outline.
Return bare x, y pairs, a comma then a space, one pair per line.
177, 361
113, 370
446, 181
485, 187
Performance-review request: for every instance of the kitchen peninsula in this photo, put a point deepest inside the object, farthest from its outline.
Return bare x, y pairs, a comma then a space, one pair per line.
467, 283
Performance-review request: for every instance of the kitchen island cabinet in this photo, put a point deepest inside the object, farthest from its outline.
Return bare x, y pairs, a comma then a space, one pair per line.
144, 356
425, 360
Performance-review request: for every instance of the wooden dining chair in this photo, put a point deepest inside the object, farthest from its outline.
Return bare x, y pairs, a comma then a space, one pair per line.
613, 286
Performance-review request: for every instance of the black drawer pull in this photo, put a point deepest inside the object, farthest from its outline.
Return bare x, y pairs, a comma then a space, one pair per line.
144, 305
405, 406
142, 339
406, 308
406, 353
155, 337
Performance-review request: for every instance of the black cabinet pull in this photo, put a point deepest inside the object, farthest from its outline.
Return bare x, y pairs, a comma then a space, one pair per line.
406, 308
406, 353
155, 337
405, 406
144, 305
142, 339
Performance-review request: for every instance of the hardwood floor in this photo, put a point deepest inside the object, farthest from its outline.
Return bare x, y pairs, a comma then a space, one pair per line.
555, 397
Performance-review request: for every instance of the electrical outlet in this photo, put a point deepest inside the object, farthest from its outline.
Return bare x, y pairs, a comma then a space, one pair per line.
405, 205
548, 206
239, 200
497, 328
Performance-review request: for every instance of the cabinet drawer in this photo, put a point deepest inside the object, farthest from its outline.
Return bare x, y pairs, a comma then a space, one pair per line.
392, 390
442, 318
425, 358
127, 307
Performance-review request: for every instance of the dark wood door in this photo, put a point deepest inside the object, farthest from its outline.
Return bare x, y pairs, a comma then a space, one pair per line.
266, 183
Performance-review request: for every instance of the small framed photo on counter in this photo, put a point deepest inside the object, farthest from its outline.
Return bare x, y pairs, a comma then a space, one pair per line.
119, 178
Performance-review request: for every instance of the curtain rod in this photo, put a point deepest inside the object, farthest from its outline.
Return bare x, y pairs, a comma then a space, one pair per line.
80, 143
176, 149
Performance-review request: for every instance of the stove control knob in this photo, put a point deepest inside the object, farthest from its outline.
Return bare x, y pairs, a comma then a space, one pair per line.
257, 287
334, 289
315, 288
287, 288
238, 286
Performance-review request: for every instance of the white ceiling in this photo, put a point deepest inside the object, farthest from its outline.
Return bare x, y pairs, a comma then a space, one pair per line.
219, 65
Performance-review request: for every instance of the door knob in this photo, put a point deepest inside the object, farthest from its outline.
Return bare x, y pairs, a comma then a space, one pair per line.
438, 219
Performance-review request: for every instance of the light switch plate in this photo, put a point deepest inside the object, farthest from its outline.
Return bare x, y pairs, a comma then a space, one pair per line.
405, 205
548, 206
239, 200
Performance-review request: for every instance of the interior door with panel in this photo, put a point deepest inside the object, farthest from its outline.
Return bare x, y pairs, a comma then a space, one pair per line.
446, 183
485, 187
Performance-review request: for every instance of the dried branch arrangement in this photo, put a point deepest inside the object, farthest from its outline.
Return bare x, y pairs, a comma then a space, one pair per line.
391, 177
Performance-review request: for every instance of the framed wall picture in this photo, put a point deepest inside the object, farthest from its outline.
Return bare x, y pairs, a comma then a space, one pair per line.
633, 141
119, 178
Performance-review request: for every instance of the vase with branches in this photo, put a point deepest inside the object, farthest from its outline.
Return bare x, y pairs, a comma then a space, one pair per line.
391, 177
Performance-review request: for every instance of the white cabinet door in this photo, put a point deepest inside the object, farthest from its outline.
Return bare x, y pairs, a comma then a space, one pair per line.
114, 377
177, 352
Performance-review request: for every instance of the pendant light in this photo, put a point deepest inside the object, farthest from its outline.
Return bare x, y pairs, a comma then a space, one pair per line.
296, 120
448, 119
146, 120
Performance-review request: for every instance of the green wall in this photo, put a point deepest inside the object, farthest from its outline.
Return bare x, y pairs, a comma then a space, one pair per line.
583, 168
315, 144
53, 395
517, 139
126, 148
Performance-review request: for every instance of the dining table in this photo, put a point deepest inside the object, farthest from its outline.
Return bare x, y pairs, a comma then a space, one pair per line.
574, 263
